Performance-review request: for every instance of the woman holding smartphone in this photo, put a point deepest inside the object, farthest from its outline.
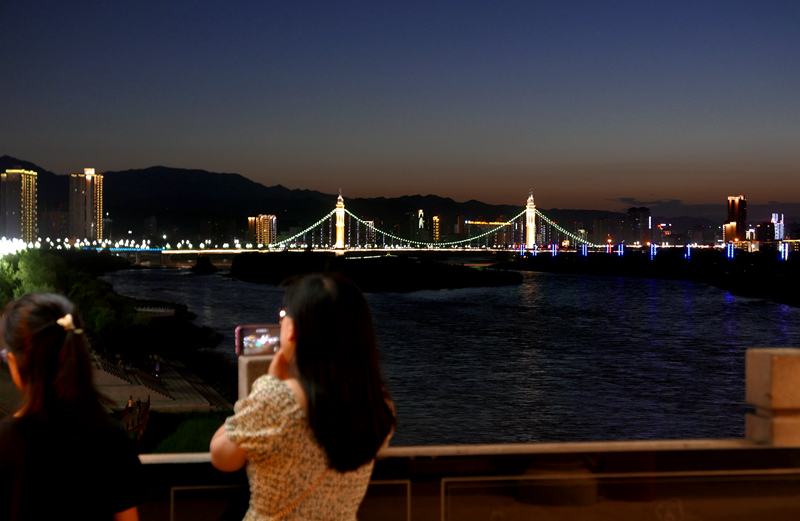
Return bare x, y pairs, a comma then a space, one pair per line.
61, 455
310, 429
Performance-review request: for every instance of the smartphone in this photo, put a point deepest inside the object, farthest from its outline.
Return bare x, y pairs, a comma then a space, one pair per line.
259, 339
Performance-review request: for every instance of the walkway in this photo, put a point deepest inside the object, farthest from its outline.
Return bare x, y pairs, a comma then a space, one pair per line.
176, 388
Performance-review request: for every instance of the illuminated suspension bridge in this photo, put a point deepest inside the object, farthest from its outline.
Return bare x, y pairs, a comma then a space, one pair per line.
341, 229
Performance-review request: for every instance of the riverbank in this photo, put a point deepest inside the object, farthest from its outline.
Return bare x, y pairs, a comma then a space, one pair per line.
754, 275
395, 274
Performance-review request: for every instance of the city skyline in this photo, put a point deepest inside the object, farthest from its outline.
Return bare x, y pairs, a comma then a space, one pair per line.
86, 220
602, 106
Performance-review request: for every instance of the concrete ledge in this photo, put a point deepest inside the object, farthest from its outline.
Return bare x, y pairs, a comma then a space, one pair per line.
781, 430
773, 378
175, 458
434, 451
773, 386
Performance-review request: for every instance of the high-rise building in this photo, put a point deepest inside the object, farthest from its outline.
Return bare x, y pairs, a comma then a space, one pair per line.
780, 227
370, 241
460, 227
86, 205
251, 229
638, 226
18, 205
418, 227
737, 217
54, 222
436, 228
266, 230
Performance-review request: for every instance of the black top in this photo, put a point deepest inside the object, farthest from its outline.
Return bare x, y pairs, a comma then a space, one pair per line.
55, 472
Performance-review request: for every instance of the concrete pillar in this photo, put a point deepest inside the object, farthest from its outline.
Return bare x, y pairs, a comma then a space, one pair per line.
339, 223
250, 368
530, 223
773, 386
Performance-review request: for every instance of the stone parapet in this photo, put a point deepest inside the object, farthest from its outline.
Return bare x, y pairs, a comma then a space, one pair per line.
250, 368
773, 387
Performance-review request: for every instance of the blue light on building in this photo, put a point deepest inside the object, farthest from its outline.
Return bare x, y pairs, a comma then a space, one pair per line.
784, 249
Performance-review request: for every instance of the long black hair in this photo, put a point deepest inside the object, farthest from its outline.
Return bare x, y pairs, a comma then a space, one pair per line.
52, 359
337, 362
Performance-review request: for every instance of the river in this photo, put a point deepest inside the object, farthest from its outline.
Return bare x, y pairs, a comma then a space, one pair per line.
558, 358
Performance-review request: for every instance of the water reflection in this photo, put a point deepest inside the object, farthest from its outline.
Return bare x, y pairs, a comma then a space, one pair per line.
559, 358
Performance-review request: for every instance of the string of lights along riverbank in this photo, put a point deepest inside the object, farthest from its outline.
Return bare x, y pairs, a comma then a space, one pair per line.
529, 232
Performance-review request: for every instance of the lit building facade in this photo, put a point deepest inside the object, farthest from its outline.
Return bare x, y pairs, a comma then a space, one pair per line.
266, 229
418, 228
251, 228
736, 226
370, 233
436, 228
780, 227
18, 205
86, 205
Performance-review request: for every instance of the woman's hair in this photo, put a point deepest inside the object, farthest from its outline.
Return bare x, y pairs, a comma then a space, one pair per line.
52, 359
337, 363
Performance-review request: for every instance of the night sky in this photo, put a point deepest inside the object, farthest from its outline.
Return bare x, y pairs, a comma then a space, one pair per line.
599, 104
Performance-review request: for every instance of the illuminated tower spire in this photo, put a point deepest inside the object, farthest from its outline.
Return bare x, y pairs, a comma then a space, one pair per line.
530, 223
339, 222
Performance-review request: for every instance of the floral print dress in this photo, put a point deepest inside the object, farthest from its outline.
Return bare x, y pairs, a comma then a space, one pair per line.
284, 459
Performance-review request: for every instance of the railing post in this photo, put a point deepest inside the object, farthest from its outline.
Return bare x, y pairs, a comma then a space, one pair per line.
773, 386
250, 368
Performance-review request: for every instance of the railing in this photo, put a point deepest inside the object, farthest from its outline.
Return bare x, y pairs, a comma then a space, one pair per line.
671, 480
659, 480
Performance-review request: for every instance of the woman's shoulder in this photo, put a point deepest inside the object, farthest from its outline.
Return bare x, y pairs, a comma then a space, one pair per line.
269, 397
268, 410
270, 389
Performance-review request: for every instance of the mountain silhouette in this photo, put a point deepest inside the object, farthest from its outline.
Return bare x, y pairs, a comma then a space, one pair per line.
192, 204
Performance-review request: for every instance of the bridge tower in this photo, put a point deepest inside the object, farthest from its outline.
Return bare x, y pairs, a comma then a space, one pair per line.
339, 222
530, 223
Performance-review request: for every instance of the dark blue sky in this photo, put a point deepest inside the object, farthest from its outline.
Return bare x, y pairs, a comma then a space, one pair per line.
590, 104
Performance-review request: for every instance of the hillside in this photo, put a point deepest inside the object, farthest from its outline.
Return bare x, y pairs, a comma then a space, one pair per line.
197, 203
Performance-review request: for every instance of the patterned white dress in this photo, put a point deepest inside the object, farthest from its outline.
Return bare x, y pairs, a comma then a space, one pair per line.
284, 459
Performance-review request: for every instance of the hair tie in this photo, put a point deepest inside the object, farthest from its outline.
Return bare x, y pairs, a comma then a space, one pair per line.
68, 325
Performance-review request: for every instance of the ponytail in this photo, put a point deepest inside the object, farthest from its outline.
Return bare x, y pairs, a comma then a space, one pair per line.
45, 334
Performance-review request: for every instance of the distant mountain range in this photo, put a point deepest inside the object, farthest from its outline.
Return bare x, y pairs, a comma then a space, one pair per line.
191, 203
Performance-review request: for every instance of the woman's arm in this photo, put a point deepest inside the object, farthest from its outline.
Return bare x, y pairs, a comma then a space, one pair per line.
226, 455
